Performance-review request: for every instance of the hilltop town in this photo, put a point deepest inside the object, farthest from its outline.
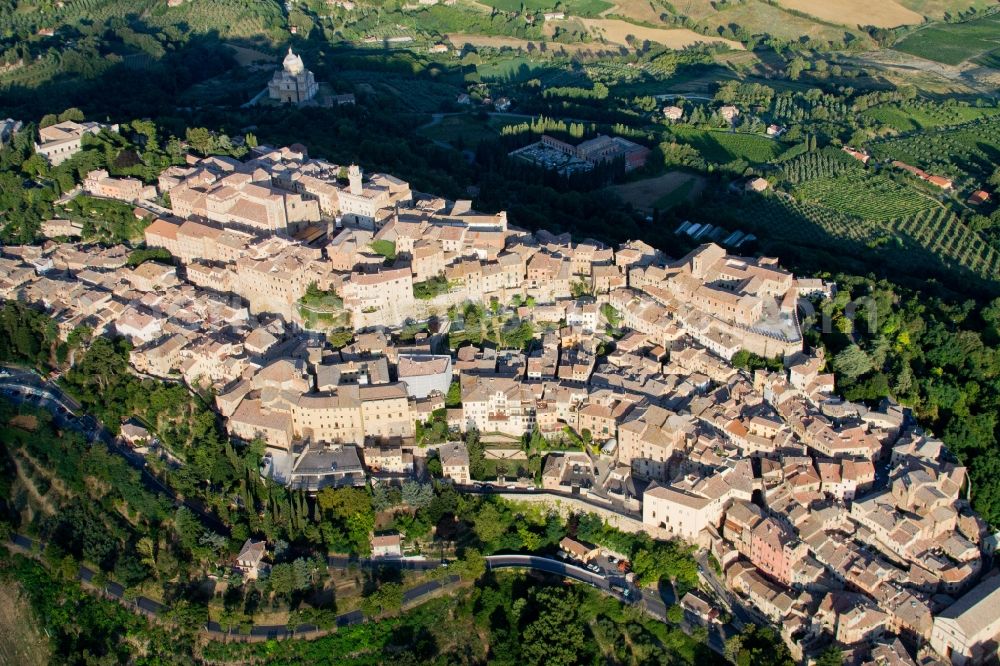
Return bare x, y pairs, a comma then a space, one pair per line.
337, 316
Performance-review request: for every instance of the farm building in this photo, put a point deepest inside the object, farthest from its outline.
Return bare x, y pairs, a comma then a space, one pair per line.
937, 181
729, 113
581, 551
978, 198
387, 545
859, 155
673, 113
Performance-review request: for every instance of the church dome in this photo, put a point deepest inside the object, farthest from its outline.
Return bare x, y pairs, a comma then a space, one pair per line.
293, 63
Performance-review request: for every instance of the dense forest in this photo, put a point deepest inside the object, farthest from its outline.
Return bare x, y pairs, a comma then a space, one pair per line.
940, 357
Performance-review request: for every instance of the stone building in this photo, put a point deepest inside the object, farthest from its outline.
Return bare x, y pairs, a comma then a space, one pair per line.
293, 84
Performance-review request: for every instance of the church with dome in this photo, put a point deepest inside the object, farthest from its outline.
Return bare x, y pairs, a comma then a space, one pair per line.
293, 83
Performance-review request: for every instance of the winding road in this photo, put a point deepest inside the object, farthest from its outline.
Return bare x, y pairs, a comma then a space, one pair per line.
652, 602
23, 385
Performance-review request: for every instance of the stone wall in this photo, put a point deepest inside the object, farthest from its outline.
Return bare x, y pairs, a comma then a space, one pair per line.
568, 505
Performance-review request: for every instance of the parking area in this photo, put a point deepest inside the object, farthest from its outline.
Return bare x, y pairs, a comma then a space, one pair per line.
609, 567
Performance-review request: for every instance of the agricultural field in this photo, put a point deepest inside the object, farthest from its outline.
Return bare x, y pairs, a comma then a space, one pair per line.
761, 17
972, 149
883, 14
913, 117
942, 234
932, 240
231, 88
229, 18
247, 56
723, 147
512, 68
872, 197
686, 191
954, 43
662, 192
640, 11
21, 642
462, 130
991, 59
619, 32
826, 163
415, 95
936, 9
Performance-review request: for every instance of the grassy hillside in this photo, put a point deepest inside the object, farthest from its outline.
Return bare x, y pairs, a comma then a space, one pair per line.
21, 642
954, 43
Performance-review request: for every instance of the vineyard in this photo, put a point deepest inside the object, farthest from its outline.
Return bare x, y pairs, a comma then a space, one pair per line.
827, 163
972, 149
144, 31
229, 18
723, 147
805, 224
811, 105
944, 235
32, 75
912, 117
869, 197
952, 43
931, 241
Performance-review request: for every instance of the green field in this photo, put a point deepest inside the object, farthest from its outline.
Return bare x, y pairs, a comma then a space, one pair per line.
512, 69
671, 199
973, 148
953, 43
723, 147
916, 117
826, 163
933, 239
464, 130
869, 197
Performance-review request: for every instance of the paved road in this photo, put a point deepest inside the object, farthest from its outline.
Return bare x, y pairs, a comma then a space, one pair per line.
548, 565
653, 601
155, 608
740, 614
23, 386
